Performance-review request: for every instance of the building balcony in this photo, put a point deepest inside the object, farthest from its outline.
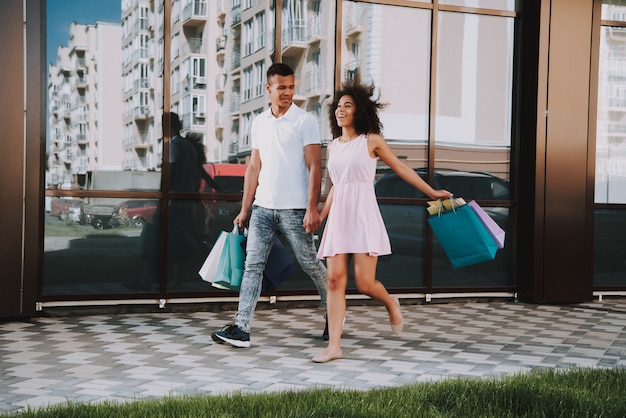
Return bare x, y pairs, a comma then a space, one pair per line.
312, 83
314, 30
80, 115
195, 13
141, 140
82, 138
294, 40
235, 59
220, 83
66, 111
142, 83
353, 29
233, 147
219, 119
142, 112
196, 46
80, 63
194, 83
235, 103
235, 15
143, 25
350, 70
220, 44
222, 7
80, 82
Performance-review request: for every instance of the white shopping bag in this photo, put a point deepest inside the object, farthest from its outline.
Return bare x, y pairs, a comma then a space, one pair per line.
207, 271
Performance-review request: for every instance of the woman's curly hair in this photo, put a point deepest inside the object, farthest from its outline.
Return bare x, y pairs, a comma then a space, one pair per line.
366, 118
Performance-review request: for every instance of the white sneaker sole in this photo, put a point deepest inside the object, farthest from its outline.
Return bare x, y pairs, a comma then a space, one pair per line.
234, 343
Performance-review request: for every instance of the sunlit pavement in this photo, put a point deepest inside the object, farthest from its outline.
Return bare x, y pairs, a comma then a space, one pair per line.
121, 357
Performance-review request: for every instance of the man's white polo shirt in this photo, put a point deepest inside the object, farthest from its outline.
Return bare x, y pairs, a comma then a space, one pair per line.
284, 177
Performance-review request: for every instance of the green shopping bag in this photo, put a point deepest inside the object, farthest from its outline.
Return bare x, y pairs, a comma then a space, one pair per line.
229, 269
463, 236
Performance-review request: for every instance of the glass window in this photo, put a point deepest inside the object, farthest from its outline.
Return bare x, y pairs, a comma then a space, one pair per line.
247, 83
376, 56
508, 5
609, 247
260, 30
610, 186
249, 35
611, 119
259, 78
474, 93
473, 129
614, 10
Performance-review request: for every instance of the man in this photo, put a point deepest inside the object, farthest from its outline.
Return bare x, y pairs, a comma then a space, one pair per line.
281, 191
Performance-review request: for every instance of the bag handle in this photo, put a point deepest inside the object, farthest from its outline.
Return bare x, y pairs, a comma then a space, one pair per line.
240, 231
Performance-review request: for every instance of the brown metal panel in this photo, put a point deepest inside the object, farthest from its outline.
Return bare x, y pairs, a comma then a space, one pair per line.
529, 150
566, 152
35, 152
12, 122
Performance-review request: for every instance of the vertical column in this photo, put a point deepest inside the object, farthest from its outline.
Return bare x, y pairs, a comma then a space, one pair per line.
13, 136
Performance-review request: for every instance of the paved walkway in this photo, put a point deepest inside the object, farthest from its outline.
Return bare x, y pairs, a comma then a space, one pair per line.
120, 357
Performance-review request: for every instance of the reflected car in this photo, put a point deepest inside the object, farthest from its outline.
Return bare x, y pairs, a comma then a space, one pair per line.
406, 223
133, 213
66, 209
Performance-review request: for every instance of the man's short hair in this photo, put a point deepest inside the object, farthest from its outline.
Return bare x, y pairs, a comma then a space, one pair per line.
279, 69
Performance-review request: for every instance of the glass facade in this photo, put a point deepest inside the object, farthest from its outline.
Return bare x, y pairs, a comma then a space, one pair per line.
610, 174
218, 53
113, 229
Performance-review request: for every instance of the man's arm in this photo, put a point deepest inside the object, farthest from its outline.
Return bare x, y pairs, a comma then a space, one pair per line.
313, 161
250, 183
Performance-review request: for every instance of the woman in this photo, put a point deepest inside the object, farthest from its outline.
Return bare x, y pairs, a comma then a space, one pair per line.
355, 228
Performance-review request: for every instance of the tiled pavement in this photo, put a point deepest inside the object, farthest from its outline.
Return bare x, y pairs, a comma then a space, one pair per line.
127, 356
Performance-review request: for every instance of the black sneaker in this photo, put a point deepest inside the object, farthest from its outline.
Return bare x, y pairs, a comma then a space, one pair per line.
232, 335
325, 333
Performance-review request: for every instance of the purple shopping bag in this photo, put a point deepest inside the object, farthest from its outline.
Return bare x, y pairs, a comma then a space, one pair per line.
493, 228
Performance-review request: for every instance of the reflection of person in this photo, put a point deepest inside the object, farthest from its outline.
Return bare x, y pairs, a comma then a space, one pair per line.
355, 228
284, 179
185, 216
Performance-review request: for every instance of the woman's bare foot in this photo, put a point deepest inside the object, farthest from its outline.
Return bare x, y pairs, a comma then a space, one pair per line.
396, 319
327, 356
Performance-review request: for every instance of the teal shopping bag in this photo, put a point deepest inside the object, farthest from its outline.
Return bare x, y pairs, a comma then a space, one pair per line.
229, 270
463, 236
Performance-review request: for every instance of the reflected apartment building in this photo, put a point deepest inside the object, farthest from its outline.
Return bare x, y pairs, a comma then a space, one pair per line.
220, 51
84, 87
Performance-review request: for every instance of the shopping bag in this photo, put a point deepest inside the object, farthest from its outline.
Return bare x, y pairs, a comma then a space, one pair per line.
278, 268
229, 269
436, 206
209, 267
463, 236
494, 229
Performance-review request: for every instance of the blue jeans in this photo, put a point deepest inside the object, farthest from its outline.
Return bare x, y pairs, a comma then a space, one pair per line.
262, 229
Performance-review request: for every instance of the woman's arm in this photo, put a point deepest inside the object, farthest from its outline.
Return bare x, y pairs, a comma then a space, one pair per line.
327, 204
379, 147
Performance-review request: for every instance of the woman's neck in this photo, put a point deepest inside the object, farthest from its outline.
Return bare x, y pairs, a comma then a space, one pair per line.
348, 134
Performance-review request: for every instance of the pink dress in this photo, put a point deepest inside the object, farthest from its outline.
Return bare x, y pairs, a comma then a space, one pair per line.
354, 224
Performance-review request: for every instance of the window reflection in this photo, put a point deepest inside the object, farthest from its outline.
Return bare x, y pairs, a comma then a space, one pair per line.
611, 132
614, 10
474, 93
508, 5
609, 247
105, 129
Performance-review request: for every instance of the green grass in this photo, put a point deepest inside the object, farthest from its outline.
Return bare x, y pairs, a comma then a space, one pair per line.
549, 393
